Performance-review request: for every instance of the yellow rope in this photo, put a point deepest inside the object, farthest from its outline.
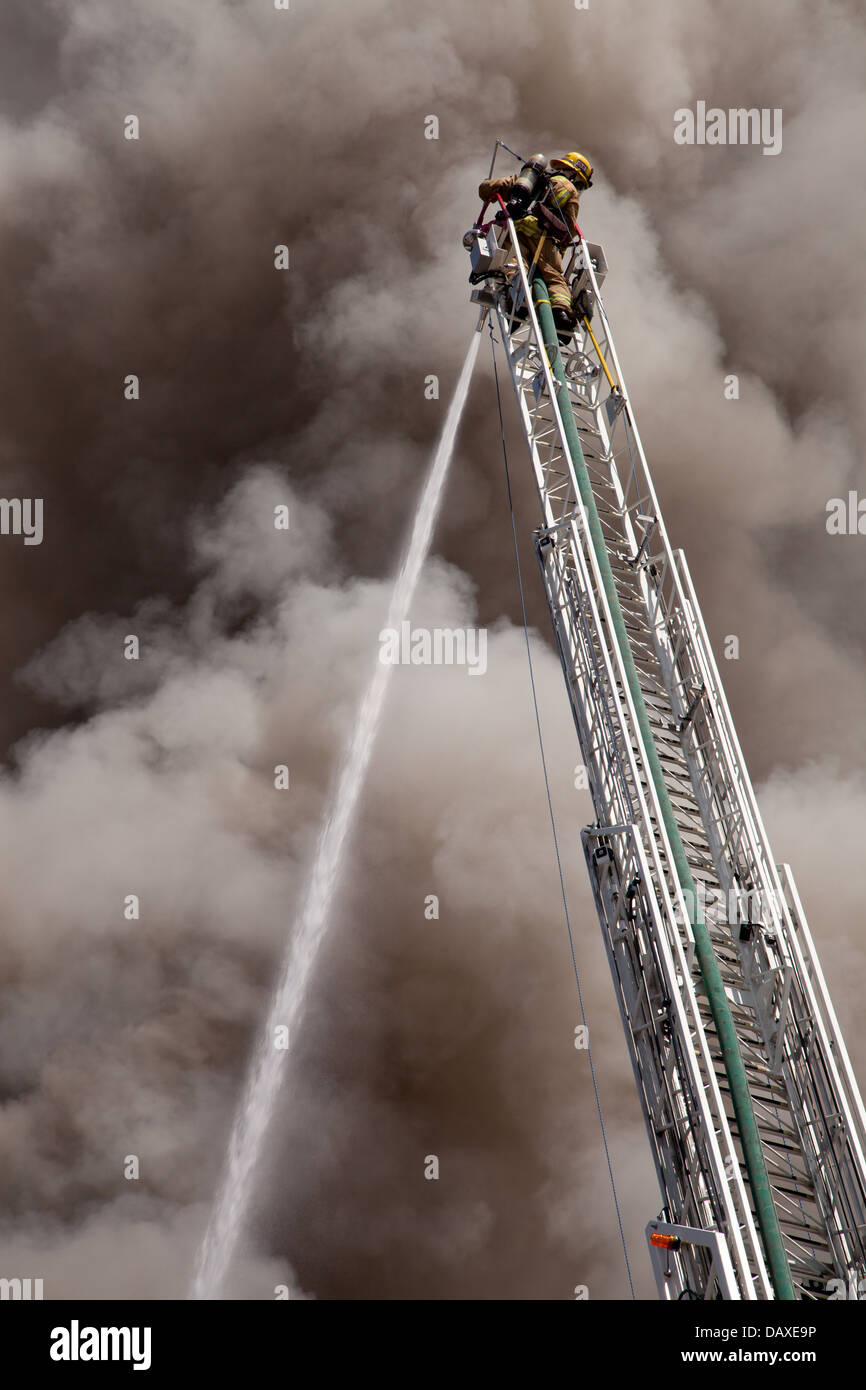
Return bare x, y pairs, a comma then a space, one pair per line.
611, 382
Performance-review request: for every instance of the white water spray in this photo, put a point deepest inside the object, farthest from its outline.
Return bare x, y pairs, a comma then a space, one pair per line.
252, 1122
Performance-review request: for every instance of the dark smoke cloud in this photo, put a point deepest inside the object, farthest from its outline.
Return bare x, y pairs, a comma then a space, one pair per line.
156, 257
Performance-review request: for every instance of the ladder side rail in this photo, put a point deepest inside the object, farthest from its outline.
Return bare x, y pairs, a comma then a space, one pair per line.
807, 1112
825, 1075
763, 867
799, 939
724, 794
816, 975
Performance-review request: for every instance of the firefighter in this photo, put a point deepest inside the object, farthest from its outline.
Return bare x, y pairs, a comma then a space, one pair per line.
544, 203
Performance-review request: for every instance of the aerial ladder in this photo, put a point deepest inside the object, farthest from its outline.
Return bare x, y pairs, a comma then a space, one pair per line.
754, 1118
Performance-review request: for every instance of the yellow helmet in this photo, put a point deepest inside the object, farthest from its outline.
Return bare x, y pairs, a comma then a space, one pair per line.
576, 166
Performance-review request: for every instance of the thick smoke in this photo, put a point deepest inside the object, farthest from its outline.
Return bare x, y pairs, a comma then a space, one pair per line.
259, 387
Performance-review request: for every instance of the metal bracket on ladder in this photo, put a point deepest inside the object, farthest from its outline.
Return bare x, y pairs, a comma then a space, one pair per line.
690, 713
642, 548
772, 992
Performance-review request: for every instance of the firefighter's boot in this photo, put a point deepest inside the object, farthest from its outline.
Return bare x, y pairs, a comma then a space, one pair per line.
565, 322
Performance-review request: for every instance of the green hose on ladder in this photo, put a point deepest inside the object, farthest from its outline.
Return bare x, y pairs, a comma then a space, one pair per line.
765, 1211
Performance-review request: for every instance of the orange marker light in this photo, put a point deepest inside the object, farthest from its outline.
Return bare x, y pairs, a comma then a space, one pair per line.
665, 1242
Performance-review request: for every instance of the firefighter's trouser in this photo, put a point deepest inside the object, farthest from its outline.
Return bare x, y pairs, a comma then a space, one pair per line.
548, 266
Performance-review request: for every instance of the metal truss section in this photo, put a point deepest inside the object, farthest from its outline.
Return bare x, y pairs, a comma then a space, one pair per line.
685, 1118
805, 1098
